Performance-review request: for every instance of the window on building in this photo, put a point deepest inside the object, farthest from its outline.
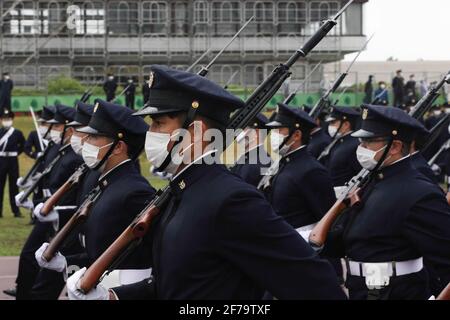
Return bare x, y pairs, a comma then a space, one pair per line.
122, 18
226, 17
352, 20
291, 16
264, 13
323, 10
154, 17
91, 18
201, 17
22, 19
179, 18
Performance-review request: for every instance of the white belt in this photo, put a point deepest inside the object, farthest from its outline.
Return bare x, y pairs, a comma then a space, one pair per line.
123, 277
8, 154
306, 230
394, 268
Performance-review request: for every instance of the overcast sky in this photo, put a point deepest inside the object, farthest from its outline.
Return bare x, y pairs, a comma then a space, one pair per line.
407, 30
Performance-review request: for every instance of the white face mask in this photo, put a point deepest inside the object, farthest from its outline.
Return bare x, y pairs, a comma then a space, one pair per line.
366, 157
42, 130
7, 123
156, 145
77, 144
333, 132
111, 78
383, 86
276, 139
90, 153
55, 136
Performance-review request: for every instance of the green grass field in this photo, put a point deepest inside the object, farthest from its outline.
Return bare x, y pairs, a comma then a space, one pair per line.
14, 231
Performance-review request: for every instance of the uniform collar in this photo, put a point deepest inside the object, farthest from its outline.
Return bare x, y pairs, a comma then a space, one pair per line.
190, 173
316, 130
401, 165
106, 178
294, 154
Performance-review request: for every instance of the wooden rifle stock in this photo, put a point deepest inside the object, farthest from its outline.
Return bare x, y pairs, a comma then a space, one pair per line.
136, 230
319, 233
445, 294
78, 218
66, 187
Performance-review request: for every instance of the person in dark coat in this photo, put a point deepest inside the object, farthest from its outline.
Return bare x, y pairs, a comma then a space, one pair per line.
6, 87
218, 237
403, 220
368, 90
110, 87
12, 143
341, 157
130, 94
410, 92
254, 162
398, 86
145, 90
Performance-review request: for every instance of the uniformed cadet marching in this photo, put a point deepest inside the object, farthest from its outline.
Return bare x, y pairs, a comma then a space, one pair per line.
319, 139
11, 146
60, 134
110, 87
115, 137
301, 191
217, 238
251, 165
403, 220
341, 160
48, 284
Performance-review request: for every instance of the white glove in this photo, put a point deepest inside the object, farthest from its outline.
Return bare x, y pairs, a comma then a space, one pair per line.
51, 217
39, 154
58, 262
27, 203
162, 175
74, 292
436, 169
19, 182
432, 298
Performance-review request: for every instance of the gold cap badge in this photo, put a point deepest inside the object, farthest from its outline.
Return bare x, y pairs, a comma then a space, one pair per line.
151, 79
195, 104
365, 113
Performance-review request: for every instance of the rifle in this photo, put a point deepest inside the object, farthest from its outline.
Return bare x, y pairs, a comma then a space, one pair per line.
350, 196
324, 101
204, 71
230, 80
445, 294
435, 132
120, 94
257, 101
77, 218
66, 187
39, 176
87, 94
41, 144
293, 94
37, 163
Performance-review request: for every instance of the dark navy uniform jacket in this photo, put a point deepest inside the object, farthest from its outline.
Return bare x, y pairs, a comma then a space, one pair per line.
421, 165
15, 143
220, 239
302, 191
404, 216
319, 141
342, 162
32, 146
251, 173
125, 193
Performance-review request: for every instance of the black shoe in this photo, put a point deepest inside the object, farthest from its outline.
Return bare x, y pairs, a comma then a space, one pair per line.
17, 215
10, 292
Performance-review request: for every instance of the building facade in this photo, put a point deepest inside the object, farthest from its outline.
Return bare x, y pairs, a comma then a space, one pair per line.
87, 39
